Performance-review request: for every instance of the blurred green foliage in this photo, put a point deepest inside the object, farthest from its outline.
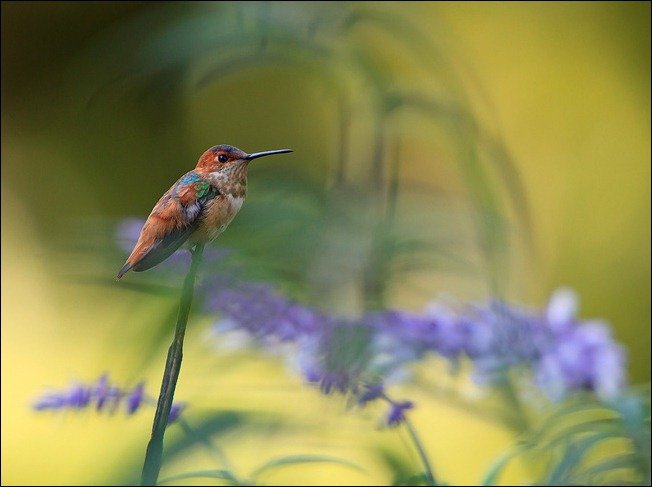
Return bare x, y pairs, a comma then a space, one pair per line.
402, 183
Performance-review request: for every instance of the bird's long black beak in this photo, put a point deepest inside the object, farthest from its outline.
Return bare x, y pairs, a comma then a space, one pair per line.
255, 155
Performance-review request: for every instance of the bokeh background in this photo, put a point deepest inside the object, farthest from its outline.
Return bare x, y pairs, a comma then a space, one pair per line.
104, 105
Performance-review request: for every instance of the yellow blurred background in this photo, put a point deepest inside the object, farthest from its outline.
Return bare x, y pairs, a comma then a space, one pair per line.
565, 85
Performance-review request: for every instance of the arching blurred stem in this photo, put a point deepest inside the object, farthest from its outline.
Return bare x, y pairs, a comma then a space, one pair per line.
518, 419
379, 171
375, 272
392, 197
206, 440
428, 472
379, 265
344, 122
154, 454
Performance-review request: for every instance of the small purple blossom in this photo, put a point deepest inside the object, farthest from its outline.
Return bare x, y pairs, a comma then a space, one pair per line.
175, 411
396, 413
102, 391
371, 392
135, 398
79, 396
561, 310
51, 401
106, 394
101, 394
585, 358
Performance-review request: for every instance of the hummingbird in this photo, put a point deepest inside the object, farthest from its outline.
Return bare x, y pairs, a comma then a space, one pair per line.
197, 208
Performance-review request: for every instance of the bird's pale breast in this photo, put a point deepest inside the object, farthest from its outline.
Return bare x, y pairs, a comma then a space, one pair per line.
216, 217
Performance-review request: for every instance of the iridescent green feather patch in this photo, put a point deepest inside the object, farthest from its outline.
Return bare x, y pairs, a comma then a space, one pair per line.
202, 188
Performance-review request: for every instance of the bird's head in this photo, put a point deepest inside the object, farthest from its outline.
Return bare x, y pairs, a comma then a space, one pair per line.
226, 159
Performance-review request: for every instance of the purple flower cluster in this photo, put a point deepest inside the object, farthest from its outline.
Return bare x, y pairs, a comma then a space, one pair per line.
578, 357
330, 352
561, 353
103, 395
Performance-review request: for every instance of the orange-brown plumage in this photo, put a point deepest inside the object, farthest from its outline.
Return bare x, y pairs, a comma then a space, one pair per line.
197, 208
164, 218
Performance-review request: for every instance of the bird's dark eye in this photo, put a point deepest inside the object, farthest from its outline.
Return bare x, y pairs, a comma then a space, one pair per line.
222, 158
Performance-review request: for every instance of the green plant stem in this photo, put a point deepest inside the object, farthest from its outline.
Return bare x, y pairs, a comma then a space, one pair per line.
154, 453
518, 420
430, 476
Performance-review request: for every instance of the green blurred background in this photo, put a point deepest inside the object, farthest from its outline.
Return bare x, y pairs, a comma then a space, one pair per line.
565, 86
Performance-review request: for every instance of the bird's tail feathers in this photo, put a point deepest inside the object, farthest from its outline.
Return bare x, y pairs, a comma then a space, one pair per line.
124, 270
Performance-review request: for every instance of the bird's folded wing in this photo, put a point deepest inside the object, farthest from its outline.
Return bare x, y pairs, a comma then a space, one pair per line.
175, 217
164, 248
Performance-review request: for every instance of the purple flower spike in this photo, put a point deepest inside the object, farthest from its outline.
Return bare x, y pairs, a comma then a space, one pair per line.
397, 412
102, 395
